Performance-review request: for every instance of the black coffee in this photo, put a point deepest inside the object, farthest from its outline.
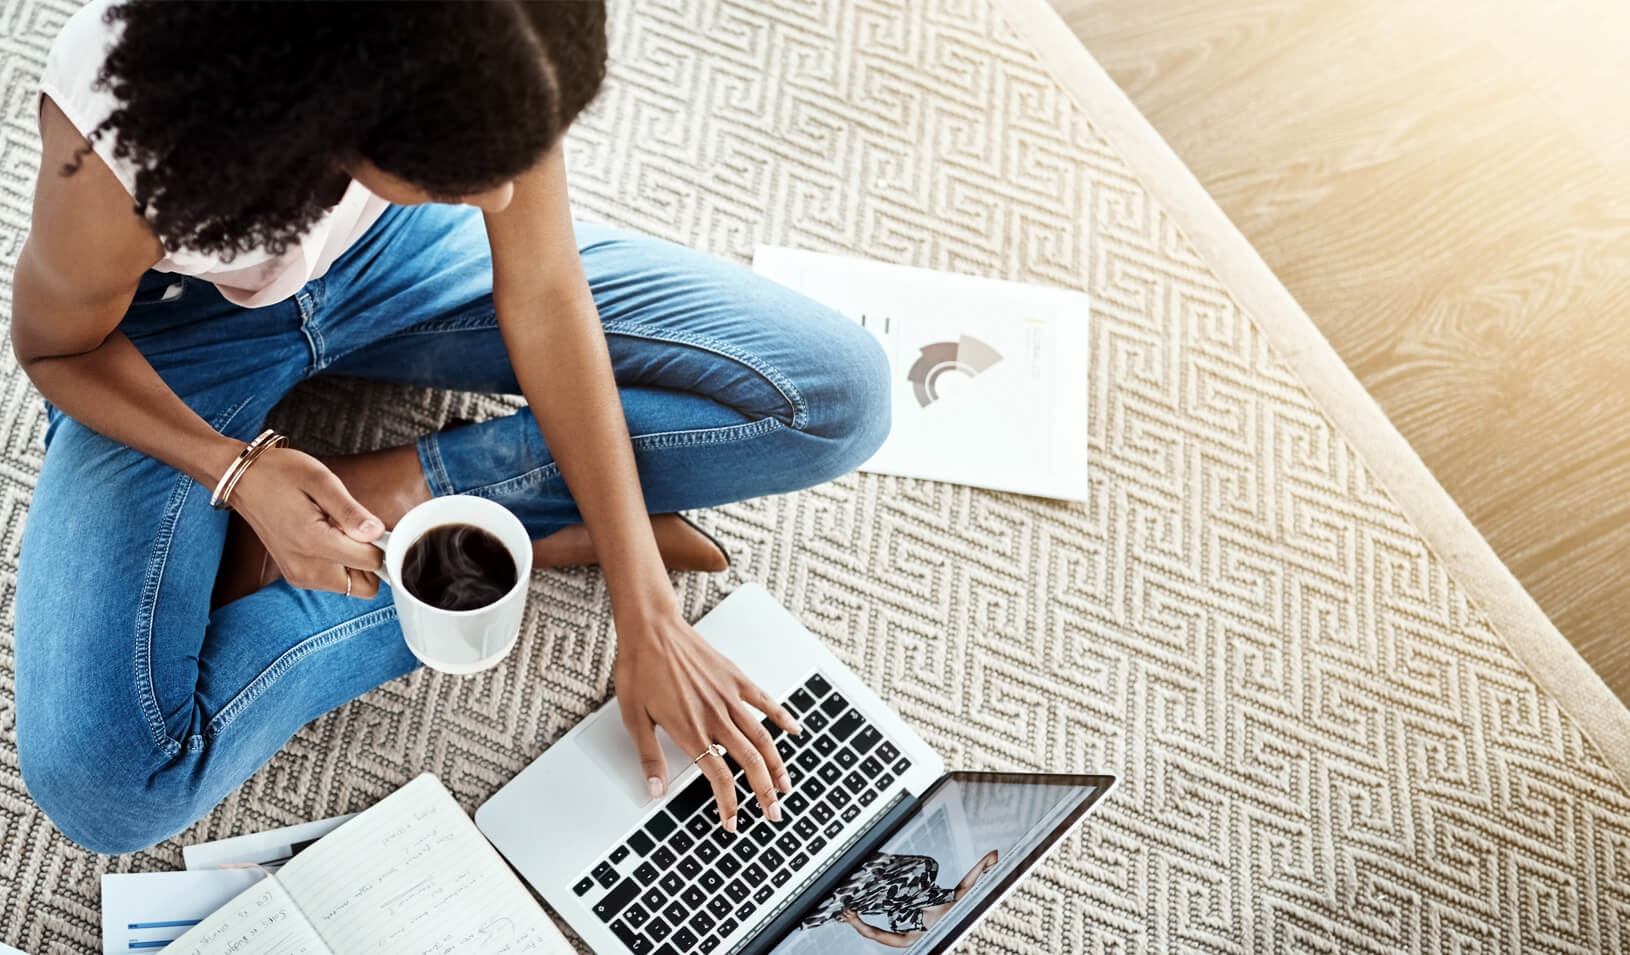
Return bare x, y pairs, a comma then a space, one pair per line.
458, 567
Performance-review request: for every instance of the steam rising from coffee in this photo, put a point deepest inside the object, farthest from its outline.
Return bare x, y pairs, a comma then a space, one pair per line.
458, 567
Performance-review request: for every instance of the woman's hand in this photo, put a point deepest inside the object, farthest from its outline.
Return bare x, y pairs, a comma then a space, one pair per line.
848, 915
667, 675
310, 524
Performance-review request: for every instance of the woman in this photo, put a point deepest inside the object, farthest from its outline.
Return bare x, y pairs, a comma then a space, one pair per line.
903, 890
270, 193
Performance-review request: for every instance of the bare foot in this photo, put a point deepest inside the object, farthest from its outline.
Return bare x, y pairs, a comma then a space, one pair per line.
682, 546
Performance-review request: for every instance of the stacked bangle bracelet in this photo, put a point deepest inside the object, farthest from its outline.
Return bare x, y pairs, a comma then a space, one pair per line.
254, 449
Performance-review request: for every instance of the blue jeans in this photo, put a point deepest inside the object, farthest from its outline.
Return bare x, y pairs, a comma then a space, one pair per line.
139, 708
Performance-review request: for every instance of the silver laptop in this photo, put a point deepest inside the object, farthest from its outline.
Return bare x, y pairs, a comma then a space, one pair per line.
878, 849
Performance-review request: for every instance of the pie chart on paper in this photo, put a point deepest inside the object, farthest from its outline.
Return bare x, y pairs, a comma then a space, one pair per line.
964, 359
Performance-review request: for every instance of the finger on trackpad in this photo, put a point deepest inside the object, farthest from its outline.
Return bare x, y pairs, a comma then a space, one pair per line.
605, 743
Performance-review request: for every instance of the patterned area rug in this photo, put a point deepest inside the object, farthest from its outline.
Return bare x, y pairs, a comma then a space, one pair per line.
1327, 742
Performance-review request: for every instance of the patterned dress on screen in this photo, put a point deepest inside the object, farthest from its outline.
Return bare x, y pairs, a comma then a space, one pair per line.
895, 887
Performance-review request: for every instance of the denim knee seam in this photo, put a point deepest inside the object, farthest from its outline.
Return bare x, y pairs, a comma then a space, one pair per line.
776, 379
433, 466
657, 441
146, 692
267, 677
476, 319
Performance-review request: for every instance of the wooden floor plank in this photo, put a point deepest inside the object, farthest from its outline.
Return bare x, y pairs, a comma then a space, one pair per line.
1445, 187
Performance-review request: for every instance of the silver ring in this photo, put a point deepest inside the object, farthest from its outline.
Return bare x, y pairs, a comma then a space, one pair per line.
713, 749
348, 581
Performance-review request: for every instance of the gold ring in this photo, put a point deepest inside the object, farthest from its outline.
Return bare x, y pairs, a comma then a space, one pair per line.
348, 581
713, 749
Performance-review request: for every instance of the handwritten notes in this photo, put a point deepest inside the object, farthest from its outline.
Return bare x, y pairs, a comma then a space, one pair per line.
261, 921
409, 876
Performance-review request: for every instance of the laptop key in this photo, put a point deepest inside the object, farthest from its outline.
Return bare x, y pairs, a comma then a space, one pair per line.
646, 873
688, 867
887, 752
624, 934
832, 830
854, 782
797, 803
871, 767
641, 843
838, 798
635, 916
619, 854
745, 910
829, 774
664, 858
807, 760
707, 851
583, 886
834, 705
846, 725
822, 813
816, 845
901, 766
614, 901
817, 685
658, 931
746, 850
726, 927
788, 843
693, 896
867, 797
805, 828
675, 913
771, 727
814, 787
671, 884
885, 780
771, 859
709, 943
700, 923
605, 875
698, 825
865, 740
780, 878
800, 701
785, 748
710, 881
660, 825
825, 745
763, 894
763, 834
851, 813
653, 899
846, 758
719, 906
737, 890
685, 939
815, 722
680, 842
755, 874
728, 864
798, 861
696, 794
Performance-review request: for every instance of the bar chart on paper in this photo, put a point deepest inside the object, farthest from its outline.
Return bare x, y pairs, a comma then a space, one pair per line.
989, 378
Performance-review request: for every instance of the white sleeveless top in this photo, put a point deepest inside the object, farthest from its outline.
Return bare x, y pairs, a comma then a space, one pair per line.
255, 277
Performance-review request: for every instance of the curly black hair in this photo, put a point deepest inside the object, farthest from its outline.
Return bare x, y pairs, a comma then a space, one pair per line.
242, 113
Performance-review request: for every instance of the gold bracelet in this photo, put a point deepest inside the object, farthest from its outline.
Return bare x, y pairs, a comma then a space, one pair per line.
229, 481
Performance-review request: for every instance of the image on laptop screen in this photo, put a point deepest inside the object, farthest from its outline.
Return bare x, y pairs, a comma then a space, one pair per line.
941, 865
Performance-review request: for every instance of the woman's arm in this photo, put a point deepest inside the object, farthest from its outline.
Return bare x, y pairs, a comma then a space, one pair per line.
880, 936
979, 868
85, 254
666, 673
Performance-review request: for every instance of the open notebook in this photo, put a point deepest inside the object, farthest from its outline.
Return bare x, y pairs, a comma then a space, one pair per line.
409, 875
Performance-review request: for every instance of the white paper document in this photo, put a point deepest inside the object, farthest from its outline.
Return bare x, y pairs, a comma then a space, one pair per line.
267, 850
989, 377
142, 911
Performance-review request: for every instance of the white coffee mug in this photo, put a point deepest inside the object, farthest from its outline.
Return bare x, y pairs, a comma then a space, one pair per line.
458, 641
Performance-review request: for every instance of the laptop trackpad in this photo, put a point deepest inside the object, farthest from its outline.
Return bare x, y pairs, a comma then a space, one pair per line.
603, 741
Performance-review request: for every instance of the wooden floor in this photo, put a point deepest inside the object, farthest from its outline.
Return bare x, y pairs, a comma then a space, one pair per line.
1444, 185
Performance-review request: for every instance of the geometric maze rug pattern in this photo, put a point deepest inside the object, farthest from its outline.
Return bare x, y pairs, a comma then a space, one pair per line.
1324, 747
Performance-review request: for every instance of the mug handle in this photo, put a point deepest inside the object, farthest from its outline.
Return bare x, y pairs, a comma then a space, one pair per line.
383, 573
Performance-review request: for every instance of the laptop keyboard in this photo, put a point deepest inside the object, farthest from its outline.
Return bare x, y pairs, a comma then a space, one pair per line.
679, 883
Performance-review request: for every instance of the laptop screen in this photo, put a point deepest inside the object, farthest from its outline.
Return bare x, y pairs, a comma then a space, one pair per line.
968, 839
